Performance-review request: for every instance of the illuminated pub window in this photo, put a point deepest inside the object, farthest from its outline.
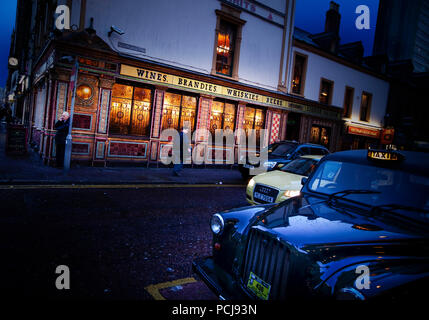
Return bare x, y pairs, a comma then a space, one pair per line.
222, 117
130, 112
320, 135
325, 95
365, 106
299, 74
178, 109
254, 119
225, 48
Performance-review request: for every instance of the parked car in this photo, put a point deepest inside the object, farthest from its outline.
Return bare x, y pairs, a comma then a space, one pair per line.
280, 184
359, 230
281, 153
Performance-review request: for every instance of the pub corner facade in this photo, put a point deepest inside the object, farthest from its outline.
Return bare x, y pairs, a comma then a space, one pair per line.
215, 64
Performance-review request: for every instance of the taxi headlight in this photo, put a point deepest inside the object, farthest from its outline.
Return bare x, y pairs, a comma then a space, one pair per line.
251, 183
292, 193
217, 224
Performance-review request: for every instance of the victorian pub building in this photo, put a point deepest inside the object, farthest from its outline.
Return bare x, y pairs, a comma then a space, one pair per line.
146, 66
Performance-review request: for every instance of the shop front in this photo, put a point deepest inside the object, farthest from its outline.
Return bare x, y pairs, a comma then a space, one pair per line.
123, 106
360, 137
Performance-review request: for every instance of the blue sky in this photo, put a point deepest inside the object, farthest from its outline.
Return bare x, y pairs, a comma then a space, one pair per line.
312, 20
7, 23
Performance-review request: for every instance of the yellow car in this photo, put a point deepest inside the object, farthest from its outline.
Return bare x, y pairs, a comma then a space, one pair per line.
281, 184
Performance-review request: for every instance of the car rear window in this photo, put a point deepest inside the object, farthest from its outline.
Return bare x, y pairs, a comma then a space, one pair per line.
318, 151
301, 166
282, 149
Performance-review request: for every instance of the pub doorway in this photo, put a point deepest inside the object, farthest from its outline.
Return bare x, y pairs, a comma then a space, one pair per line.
293, 125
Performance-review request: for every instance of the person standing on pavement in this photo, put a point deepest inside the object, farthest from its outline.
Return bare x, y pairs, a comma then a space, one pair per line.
182, 148
62, 127
8, 115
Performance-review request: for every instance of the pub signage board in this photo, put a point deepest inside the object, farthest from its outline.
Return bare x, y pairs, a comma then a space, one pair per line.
221, 91
16, 140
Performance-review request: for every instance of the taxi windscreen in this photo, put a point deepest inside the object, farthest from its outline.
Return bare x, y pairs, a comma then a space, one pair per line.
391, 187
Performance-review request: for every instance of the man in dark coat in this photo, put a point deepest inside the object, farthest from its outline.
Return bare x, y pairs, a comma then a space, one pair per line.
182, 146
62, 127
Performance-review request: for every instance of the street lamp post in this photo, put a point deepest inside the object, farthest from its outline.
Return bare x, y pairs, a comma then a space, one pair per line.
68, 149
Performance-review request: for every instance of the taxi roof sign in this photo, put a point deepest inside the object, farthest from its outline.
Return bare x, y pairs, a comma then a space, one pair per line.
384, 155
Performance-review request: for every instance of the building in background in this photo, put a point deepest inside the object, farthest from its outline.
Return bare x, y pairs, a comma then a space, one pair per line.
2, 96
401, 51
18, 86
335, 75
402, 32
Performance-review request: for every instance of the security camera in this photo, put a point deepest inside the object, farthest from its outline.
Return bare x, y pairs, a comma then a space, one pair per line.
116, 30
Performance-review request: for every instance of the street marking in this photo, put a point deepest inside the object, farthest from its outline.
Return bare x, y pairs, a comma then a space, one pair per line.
153, 289
116, 186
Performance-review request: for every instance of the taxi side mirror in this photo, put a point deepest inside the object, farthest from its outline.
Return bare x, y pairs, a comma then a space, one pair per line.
304, 180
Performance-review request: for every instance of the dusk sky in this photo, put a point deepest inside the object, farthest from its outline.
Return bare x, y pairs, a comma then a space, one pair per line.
309, 15
7, 23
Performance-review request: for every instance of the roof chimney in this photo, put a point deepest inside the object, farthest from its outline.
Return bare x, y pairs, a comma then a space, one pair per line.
333, 17
330, 38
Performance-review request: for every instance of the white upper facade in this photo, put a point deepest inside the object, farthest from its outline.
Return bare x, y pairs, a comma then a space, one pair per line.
182, 34
341, 76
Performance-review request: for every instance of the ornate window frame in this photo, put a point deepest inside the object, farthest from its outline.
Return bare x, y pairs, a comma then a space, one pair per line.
231, 15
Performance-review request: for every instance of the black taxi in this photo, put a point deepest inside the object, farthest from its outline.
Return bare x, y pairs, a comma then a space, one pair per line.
359, 230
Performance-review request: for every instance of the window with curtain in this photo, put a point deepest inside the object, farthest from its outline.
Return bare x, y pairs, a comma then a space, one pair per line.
130, 111
178, 110
225, 48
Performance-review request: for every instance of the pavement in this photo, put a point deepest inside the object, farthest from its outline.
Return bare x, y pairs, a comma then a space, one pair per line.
29, 169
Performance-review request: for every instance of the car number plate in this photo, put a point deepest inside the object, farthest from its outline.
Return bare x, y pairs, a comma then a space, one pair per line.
258, 286
264, 197
248, 166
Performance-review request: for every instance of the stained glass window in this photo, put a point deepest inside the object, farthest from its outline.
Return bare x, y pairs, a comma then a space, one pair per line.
254, 119
130, 111
222, 116
178, 109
